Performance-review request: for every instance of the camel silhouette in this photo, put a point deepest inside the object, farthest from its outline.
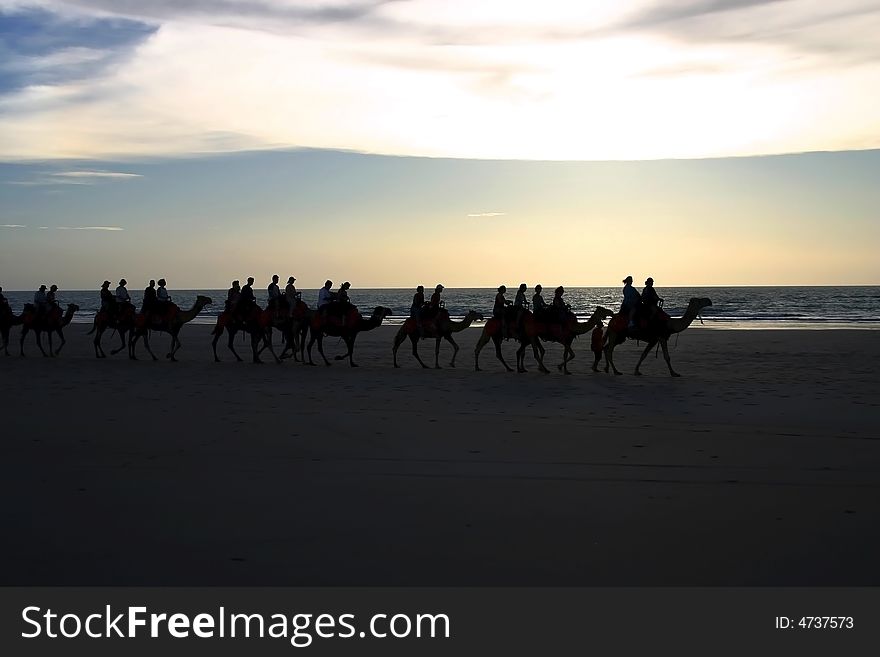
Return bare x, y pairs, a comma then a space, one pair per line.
258, 324
354, 323
51, 322
652, 333
8, 319
440, 328
171, 326
526, 331
565, 332
123, 322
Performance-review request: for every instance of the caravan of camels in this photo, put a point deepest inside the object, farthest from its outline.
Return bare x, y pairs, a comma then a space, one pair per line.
641, 317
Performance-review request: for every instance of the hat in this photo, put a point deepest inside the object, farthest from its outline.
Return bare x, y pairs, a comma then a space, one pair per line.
291, 279
42, 287
628, 279
105, 284
53, 288
439, 287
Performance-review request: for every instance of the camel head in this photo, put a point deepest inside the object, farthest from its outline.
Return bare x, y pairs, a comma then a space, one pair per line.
382, 311
203, 301
602, 313
699, 303
72, 308
474, 316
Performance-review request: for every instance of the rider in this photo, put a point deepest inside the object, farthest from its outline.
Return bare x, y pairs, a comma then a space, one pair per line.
51, 300
290, 294
108, 302
123, 298
538, 303
520, 301
325, 294
562, 309
650, 299
417, 302
342, 294
631, 300
149, 301
501, 303
163, 299
274, 294
247, 299
233, 294
436, 302
40, 300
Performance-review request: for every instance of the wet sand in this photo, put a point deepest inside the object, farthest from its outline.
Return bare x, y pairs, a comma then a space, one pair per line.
760, 466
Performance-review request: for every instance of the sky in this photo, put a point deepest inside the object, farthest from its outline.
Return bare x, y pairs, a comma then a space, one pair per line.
473, 142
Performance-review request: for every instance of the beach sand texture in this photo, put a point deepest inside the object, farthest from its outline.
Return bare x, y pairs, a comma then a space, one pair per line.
761, 465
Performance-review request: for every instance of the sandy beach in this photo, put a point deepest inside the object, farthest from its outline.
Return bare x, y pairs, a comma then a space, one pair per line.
760, 466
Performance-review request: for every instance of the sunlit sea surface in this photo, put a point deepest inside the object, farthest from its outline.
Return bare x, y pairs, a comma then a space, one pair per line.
732, 307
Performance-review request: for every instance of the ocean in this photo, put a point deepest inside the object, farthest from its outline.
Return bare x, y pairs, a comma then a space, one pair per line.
732, 307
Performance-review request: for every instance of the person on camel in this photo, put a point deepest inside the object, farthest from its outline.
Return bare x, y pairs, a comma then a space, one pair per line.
500, 310
123, 298
651, 301
40, 301
51, 299
233, 294
326, 294
436, 302
247, 300
108, 301
290, 294
417, 305
274, 294
538, 303
343, 303
342, 294
519, 301
561, 309
164, 308
631, 301
149, 302
597, 338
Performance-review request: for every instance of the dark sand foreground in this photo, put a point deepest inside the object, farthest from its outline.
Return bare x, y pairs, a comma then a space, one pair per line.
760, 466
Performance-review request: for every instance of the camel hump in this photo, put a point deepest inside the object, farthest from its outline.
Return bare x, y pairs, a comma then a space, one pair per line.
619, 323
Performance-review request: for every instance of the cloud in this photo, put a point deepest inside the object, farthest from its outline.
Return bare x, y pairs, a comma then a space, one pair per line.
487, 214
111, 228
12, 226
75, 178
446, 78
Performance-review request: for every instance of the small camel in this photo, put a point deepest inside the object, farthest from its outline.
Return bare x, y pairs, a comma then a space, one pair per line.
658, 331
441, 328
51, 322
348, 330
164, 325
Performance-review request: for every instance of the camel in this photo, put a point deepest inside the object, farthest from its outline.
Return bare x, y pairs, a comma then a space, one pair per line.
171, 326
52, 322
526, 332
355, 323
123, 322
7, 320
258, 325
658, 331
564, 333
440, 328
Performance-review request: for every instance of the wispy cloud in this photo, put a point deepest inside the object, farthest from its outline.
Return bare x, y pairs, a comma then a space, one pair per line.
12, 226
487, 214
113, 228
75, 178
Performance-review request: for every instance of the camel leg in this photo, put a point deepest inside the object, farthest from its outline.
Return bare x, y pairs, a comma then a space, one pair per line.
568, 355
498, 354
320, 339
147, 346
5, 335
122, 335
454, 344
267, 344
398, 340
484, 339
231, 345
255, 343
609, 357
99, 351
538, 348
24, 332
39, 335
214, 342
51, 350
644, 355
521, 357
414, 339
665, 347
349, 342
63, 342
